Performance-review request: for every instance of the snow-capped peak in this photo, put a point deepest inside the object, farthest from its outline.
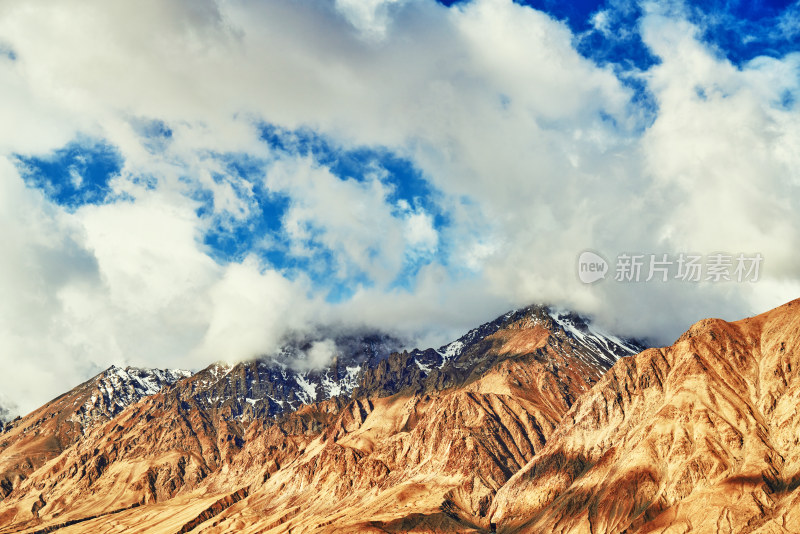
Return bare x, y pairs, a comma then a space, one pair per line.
604, 347
117, 388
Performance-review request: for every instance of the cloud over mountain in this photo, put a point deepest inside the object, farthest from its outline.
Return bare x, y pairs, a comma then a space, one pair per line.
188, 180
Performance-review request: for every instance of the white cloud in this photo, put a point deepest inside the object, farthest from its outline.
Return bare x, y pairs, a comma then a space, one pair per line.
251, 310
370, 17
44, 254
420, 234
601, 21
321, 353
355, 220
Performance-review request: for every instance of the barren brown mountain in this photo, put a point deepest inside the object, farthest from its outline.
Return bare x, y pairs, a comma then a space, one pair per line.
28, 442
521, 430
702, 436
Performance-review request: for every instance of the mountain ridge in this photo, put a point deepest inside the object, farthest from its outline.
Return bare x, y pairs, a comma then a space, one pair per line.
518, 379
677, 438
29, 442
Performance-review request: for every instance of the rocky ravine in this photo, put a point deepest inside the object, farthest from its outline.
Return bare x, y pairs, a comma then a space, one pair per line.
424, 442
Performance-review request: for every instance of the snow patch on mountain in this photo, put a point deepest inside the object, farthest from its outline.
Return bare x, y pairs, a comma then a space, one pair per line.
308, 391
452, 350
603, 345
116, 388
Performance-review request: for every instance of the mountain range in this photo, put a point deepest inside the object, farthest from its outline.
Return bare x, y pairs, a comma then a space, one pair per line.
538, 421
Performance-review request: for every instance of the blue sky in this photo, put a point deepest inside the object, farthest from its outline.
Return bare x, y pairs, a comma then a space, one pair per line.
76, 174
405, 165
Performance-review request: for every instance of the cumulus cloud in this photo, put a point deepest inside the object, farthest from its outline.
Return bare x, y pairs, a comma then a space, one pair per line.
530, 152
251, 309
321, 353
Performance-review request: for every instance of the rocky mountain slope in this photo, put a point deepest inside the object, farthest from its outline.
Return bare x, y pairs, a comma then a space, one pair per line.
360, 364
517, 332
439, 432
244, 391
29, 442
283, 382
702, 436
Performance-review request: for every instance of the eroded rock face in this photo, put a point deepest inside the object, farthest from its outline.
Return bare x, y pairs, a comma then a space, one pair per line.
701, 436
423, 443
